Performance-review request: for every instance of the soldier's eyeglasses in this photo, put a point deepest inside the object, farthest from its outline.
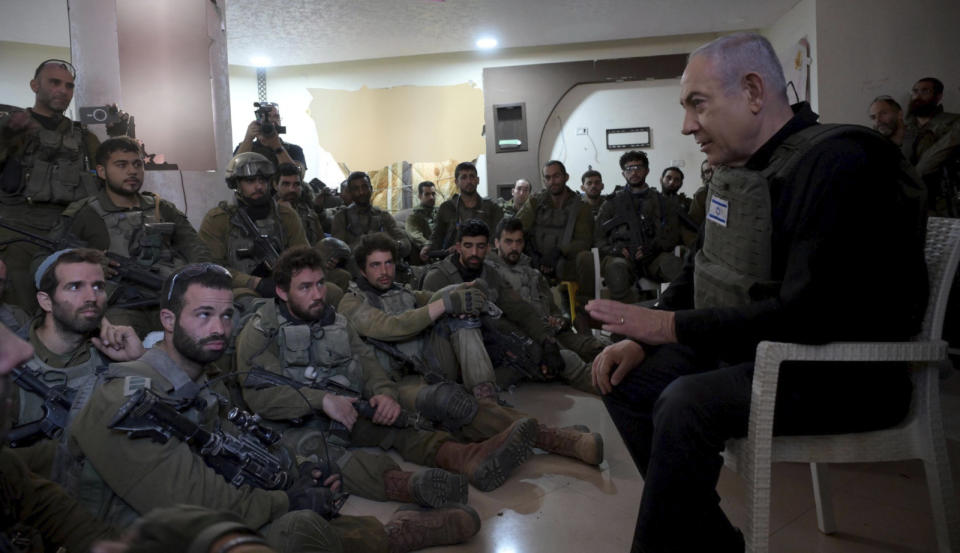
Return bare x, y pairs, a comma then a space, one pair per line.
193, 270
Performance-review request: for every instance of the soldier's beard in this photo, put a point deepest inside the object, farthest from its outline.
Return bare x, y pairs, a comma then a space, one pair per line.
193, 349
919, 108
512, 258
75, 322
313, 313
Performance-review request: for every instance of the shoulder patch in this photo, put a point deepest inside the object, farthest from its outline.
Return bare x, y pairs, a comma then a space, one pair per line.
132, 384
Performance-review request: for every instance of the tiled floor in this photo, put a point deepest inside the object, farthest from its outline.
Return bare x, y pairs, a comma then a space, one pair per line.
559, 505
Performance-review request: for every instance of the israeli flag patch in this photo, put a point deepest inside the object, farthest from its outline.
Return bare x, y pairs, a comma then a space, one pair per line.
718, 211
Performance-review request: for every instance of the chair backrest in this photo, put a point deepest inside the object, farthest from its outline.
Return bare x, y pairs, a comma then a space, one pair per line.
942, 252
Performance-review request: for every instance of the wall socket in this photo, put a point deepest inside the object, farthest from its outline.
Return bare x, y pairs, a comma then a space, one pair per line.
582, 130
677, 163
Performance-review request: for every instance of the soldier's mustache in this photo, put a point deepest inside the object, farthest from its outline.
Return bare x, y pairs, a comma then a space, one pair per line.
213, 338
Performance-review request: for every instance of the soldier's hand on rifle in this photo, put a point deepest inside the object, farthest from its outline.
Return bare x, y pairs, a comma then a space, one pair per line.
340, 409
119, 343
638, 255
625, 253
110, 268
387, 409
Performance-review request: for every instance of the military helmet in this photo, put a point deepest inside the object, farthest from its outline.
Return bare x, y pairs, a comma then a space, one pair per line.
247, 164
333, 251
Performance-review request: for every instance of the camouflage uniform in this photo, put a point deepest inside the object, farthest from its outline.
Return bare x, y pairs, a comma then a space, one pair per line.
43, 170
452, 213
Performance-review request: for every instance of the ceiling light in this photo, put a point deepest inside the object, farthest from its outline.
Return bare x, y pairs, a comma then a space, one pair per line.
487, 43
260, 61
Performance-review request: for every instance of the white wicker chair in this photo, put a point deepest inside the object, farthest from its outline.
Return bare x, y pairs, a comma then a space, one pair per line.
920, 436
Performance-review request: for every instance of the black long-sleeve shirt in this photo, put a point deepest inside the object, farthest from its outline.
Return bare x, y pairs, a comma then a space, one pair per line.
847, 246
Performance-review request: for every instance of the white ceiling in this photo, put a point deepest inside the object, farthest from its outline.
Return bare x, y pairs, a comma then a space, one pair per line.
297, 32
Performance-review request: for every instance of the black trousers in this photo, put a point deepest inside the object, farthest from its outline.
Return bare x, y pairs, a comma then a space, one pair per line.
676, 410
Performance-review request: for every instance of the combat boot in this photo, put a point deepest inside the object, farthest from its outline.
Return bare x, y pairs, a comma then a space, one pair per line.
571, 441
428, 487
413, 528
489, 463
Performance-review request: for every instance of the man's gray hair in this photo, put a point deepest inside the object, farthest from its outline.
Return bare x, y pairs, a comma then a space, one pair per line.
741, 53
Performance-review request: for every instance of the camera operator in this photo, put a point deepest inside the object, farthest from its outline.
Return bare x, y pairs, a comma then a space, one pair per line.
263, 137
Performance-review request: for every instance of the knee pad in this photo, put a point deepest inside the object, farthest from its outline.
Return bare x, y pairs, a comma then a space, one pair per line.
448, 404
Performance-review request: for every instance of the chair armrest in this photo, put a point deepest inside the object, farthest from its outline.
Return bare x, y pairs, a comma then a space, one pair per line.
770, 356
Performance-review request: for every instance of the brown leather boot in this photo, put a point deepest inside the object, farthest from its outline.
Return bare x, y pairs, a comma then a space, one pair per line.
413, 528
489, 463
428, 487
571, 442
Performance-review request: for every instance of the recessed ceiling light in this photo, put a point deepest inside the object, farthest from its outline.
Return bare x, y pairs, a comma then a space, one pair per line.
260, 61
487, 43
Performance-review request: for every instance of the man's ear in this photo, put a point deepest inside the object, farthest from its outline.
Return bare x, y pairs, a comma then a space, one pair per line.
102, 172
282, 294
168, 320
755, 91
45, 302
34, 85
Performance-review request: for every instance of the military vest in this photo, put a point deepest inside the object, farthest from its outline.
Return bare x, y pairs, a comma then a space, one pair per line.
83, 480
734, 266
395, 301
54, 168
311, 223
358, 223
553, 227
240, 244
524, 279
312, 352
82, 378
138, 235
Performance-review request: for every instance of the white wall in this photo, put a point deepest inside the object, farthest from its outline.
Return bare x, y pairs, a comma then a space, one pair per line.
882, 47
800, 22
289, 86
602, 106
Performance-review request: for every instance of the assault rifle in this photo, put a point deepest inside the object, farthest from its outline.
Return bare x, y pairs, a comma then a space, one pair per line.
513, 349
263, 249
634, 239
414, 364
260, 378
244, 459
57, 401
127, 269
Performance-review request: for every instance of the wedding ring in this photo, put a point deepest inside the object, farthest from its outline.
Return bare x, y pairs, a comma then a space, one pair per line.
621, 319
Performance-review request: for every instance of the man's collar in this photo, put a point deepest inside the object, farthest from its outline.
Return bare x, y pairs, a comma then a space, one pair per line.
77, 356
108, 204
803, 117
365, 286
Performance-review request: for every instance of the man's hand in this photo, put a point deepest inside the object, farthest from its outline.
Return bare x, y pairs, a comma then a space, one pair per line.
387, 409
121, 126
423, 253
464, 300
621, 358
253, 130
551, 362
21, 121
638, 255
650, 326
340, 409
119, 343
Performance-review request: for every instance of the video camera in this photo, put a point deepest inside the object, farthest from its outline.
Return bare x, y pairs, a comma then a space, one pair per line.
262, 114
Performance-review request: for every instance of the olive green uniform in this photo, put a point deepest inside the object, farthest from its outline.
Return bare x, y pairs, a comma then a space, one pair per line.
272, 340
567, 229
517, 312
452, 213
121, 478
31, 503
353, 222
420, 225
404, 320
312, 226
77, 369
533, 287
225, 237
929, 148
44, 169
659, 225
508, 207
135, 233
